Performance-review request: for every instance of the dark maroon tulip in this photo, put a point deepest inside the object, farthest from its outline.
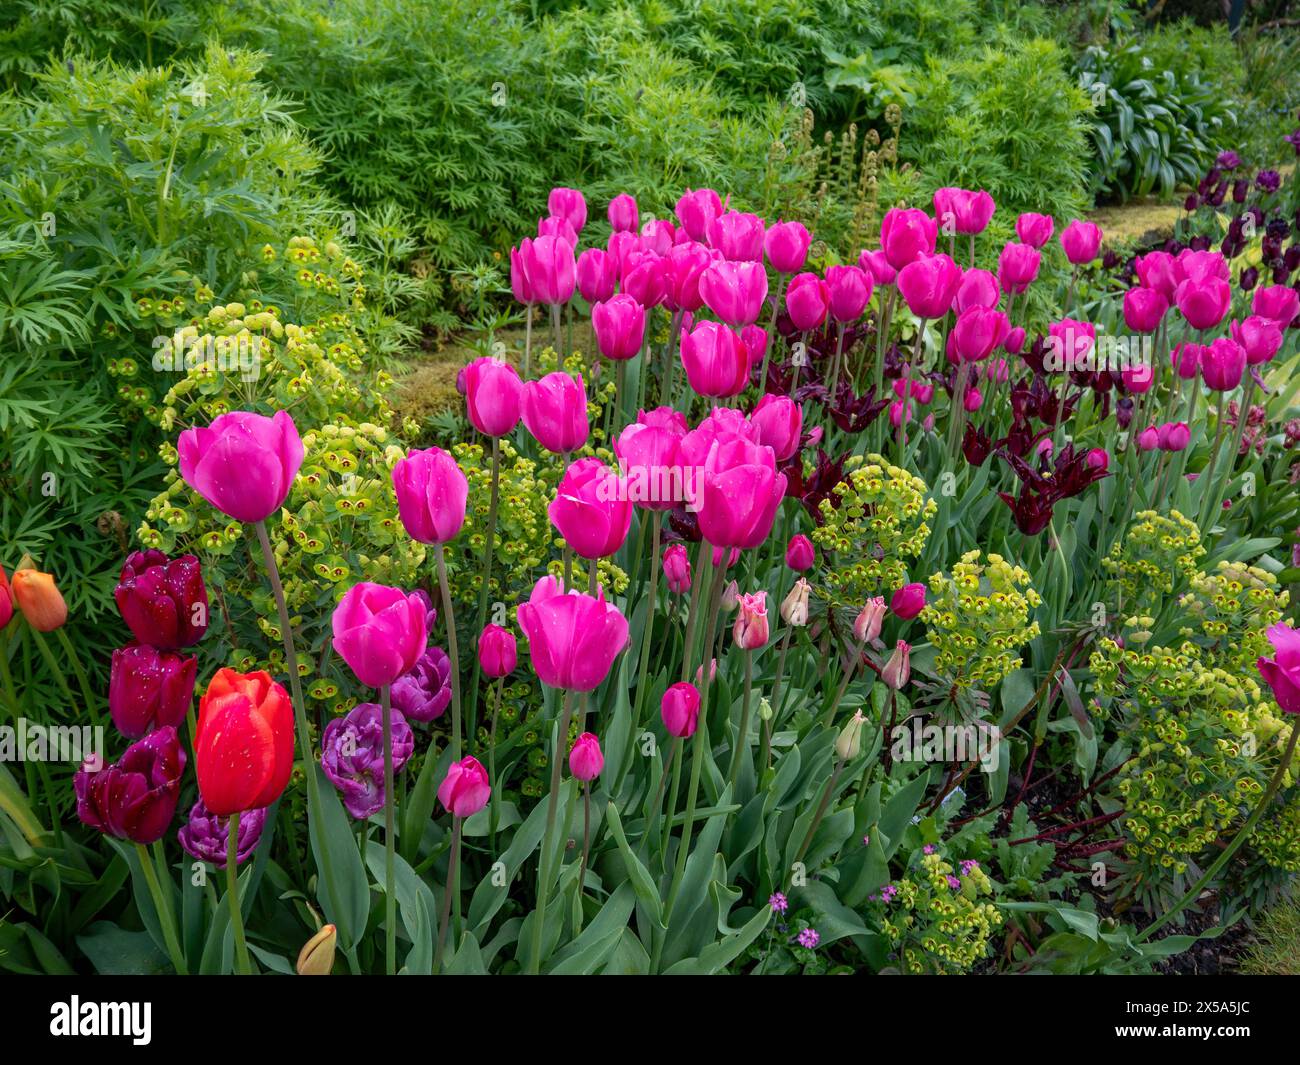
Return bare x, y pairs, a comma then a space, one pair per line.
163, 600
149, 689
134, 799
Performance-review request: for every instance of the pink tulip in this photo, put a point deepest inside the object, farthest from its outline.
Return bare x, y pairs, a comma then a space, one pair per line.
901, 410
465, 789
550, 268
1174, 436
739, 236
849, 289
1018, 267
722, 424
1160, 271
646, 278
755, 339
1282, 672
877, 265
623, 216
1034, 229
585, 757
751, 628
740, 493
928, 285
431, 494
1072, 343
907, 234
597, 272
808, 301
1278, 302
1203, 266
786, 244
497, 652
716, 360
551, 226
1186, 359
658, 235
1098, 458
1081, 241
685, 265
520, 286
1204, 303
696, 211
1014, 344
972, 400
898, 670
1260, 337
1138, 379
555, 412
570, 205
619, 324
866, 626
243, 463
735, 291
620, 248
1144, 309
962, 211
998, 369
1222, 364
379, 632
978, 288
677, 569
493, 393
573, 638
591, 509
680, 709
800, 554
977, 332
779, 421
908, 601
1148, 439
649, 454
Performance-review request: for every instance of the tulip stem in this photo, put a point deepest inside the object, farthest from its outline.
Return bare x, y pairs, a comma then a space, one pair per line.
586, 836
688, 649
242, 965
83, 681
494, 810
485, 577
528, 340
390, 801
43, 646
548, 844
441, 558
653, 813
821, 810
161, 905
656, 521
453, 886
771, 333
742, 734
776, 696
849, 672
1206, 511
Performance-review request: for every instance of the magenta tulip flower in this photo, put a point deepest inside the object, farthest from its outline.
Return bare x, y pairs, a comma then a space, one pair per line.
591, 509
740, 492
585, 757
551, 226
808, 301
1034, 229
929, 285
680, 709
1186, 359
800, 554
908, 601
497, 653
1148, 439
570, 205
755, 339
431, 495
1260, 337
1278, 302
1072, 343
1203, 265
1222, 364
787, 244
520, 286
849, 288
977, 332
677, 569
1204, 303
1160, 271
465, 789
646, 277
1081, 241
493, 392
649, 455
696, 210
1018, 267
907, 234
244, 464
877, 265
379, 632
684, 266
1174, 436
977, 288
735, 291
597, 273
658, 235
779, 421
963, 211
738, 235
136, 797
1282, 671
716, 360
623, 216
149, 689
1144, 309
619, 324
550, 268
555, 412
573, 638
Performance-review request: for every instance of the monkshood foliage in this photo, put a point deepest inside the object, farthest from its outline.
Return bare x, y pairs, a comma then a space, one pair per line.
864, 616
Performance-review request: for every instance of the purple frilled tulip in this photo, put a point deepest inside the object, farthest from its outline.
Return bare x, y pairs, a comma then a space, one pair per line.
423, 693
243, 463
162, 600
352, 755
135, 798
149, 689
205, 836
380, 632
431, 495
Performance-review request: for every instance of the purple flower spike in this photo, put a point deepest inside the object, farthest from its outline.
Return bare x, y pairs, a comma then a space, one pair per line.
352, 755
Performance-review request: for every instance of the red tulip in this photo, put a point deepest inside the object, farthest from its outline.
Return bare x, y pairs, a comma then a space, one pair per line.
243, 747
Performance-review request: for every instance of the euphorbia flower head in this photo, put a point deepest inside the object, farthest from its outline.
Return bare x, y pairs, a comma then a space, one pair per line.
243, 463
573, 638
591, 509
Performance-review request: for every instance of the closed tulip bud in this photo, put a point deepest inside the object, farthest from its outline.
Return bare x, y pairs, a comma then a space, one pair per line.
908, 601
850, 290
570, 205
550, 268
734, 291
317, 955
1098, 458
431, 495
680, 709
244, 464
848, 744
162, 600
866, 626
677, 569
1018, 267
713, 673
591, 509
906, 235
619, 324
962, 210
786, 244
597, 273
731, 593
779, 421
136, 797
807, 301
1258, 336
1174, 436
794, 608
696, 210
1222, 364
764, 709
465, 789
149, 689
585, 758
243, 745
1081, 241
972, 400
573, 638
1144, 309
39, 598
978, 288
1203, 302
738, 235
755, 338
497, 652
1148, 439
751, 629
1034, 229
379, 631
898, 670
555, 412
623, 216
1138, 379
799, 553
716, 360
877, 265
929, 285
493, 392
1186, 359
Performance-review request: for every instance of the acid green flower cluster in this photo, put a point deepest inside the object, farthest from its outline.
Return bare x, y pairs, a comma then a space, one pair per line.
1233, 607
882, 521
1156, 556
978, 618
936, 928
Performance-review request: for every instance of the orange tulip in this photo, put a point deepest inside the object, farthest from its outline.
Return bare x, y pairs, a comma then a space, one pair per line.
39, 599
243, 747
